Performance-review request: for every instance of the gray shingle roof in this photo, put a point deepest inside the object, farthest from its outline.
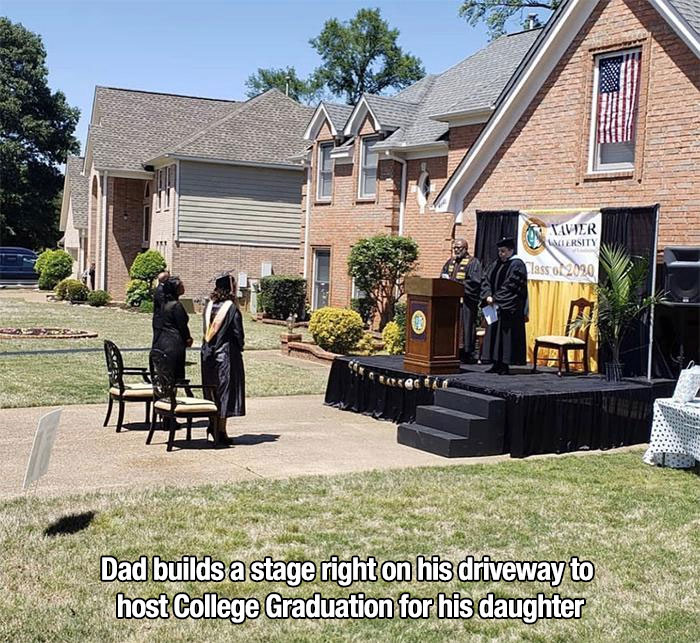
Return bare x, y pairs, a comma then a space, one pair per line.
338, 114
78, 186
129, 126
690, 10
392, 112
266, 129
473, 84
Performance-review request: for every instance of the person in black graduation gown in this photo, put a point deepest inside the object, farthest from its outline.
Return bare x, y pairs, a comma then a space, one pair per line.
158, 303
174, 336
468, 271
505, 286
222, 348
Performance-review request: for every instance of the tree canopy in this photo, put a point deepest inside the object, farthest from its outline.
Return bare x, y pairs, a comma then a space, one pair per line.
304, 91
495, 13
36, 135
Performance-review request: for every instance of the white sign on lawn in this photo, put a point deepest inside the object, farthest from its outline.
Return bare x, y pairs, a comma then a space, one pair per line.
41, 449
560, 246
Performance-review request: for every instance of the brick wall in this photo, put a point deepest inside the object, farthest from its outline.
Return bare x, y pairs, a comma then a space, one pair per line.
542, 164
124, 231
197, 263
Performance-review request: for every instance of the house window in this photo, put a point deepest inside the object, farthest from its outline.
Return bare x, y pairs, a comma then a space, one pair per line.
159, 189
368, 169
324, 179
423, 190
357, 293
614, 111
322, 274
146, 225
167, 187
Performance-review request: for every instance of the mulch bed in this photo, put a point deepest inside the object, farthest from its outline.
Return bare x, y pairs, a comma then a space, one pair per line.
45, 333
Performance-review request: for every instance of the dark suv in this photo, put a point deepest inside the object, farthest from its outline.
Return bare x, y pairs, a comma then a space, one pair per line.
17, 265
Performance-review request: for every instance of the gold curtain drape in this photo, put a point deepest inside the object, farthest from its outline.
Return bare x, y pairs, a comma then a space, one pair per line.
549, 311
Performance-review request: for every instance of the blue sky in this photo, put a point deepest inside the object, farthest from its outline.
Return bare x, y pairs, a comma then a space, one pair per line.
210, 47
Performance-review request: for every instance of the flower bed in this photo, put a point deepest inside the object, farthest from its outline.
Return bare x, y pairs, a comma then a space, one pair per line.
45, 333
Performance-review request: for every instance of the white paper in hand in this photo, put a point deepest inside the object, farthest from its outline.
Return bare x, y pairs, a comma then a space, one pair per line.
490, 314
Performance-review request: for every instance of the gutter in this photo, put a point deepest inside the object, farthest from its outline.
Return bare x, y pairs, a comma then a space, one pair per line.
402, 197
199, 159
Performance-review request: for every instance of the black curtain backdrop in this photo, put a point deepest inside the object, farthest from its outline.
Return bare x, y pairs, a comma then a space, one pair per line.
632, 228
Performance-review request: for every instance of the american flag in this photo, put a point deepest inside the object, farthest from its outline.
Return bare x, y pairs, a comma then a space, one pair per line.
618, 83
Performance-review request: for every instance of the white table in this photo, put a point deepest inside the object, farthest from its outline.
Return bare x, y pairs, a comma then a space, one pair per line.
675, 434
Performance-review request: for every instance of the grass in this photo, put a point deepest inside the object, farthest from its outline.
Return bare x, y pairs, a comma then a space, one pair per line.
639, 525
81, 378
125, 328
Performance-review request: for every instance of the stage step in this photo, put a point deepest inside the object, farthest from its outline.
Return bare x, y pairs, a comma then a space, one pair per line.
468, 402
425, 438
437, 417
459, 424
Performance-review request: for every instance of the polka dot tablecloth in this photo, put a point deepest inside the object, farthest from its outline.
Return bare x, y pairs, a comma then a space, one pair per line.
675, 434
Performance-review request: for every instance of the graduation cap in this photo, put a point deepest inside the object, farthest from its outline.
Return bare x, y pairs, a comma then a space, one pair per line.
506, 242
224, 281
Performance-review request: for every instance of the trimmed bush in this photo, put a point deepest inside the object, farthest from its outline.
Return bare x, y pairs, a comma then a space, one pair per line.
54, 266
364, 307
137, 291
366, 344
336, 329
76, 291
98, 298
146, 306
394, 339
60, 289
282, 295
147, 265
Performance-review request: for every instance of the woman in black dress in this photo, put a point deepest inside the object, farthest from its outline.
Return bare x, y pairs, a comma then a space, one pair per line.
174, 335
222, 347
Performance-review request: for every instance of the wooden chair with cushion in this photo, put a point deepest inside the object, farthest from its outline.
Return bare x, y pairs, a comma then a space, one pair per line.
170, 406
574, 340
125, 391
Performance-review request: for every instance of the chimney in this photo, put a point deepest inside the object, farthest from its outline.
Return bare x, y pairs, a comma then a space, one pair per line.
531, 21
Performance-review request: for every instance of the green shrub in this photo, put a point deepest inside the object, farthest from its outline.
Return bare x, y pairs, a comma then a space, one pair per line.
137, 291
60, 289
147, 265
71, 290
146, 306
363, 307
394, 339
366, 344
336, 329
400, 315
98, 298
282, 295
54, 266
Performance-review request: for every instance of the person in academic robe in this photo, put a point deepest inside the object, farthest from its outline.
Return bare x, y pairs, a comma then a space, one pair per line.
158, 303
221, 353
174, 335
505, 286
467, 270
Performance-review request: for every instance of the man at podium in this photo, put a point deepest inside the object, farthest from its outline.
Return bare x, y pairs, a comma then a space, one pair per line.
467, 270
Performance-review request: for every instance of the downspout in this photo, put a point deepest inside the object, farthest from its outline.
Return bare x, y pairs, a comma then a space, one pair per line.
402, 197
307, 218
103, 241
176, 204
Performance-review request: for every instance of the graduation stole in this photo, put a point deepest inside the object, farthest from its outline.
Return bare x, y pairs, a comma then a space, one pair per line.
462, 270
214, 326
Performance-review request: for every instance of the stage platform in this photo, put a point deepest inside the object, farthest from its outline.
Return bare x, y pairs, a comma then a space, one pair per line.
544, 413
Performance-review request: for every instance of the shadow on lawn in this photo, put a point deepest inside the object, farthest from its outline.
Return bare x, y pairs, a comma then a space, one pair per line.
71, 524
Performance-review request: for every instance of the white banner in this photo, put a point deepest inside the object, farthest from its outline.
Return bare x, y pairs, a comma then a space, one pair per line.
41, 449
560, 246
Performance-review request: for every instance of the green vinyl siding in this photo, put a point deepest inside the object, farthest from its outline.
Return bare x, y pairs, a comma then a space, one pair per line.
237, 204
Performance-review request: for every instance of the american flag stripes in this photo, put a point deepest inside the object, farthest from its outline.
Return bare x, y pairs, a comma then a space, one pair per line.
618, 84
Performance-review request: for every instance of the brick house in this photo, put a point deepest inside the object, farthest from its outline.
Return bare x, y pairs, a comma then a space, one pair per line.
375, 167
211, 184
539, 149
74, 213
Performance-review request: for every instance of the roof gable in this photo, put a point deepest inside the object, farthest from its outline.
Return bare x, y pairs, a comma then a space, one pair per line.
75, 193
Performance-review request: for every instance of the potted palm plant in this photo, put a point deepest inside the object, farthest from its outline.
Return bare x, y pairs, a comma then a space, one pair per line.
621, 301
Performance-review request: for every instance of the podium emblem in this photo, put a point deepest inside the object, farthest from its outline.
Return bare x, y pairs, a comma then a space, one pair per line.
418, 322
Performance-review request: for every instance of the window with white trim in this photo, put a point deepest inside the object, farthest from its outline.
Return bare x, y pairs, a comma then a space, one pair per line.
167, 187
324, 176
368, 168
321, 278
146, 225
616, 78
159, 189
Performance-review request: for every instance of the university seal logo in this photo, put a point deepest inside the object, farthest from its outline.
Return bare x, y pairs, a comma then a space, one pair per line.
533, 236
418, 322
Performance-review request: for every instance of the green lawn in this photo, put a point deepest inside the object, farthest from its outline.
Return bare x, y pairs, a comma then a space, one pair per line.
123, 327
639, 525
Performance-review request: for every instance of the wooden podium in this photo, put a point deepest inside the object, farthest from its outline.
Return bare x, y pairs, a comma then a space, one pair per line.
432, 326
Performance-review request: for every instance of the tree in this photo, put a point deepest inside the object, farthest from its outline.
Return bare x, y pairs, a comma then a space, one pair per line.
361, 55
379, 266
36, 135
495, 13
304, 91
